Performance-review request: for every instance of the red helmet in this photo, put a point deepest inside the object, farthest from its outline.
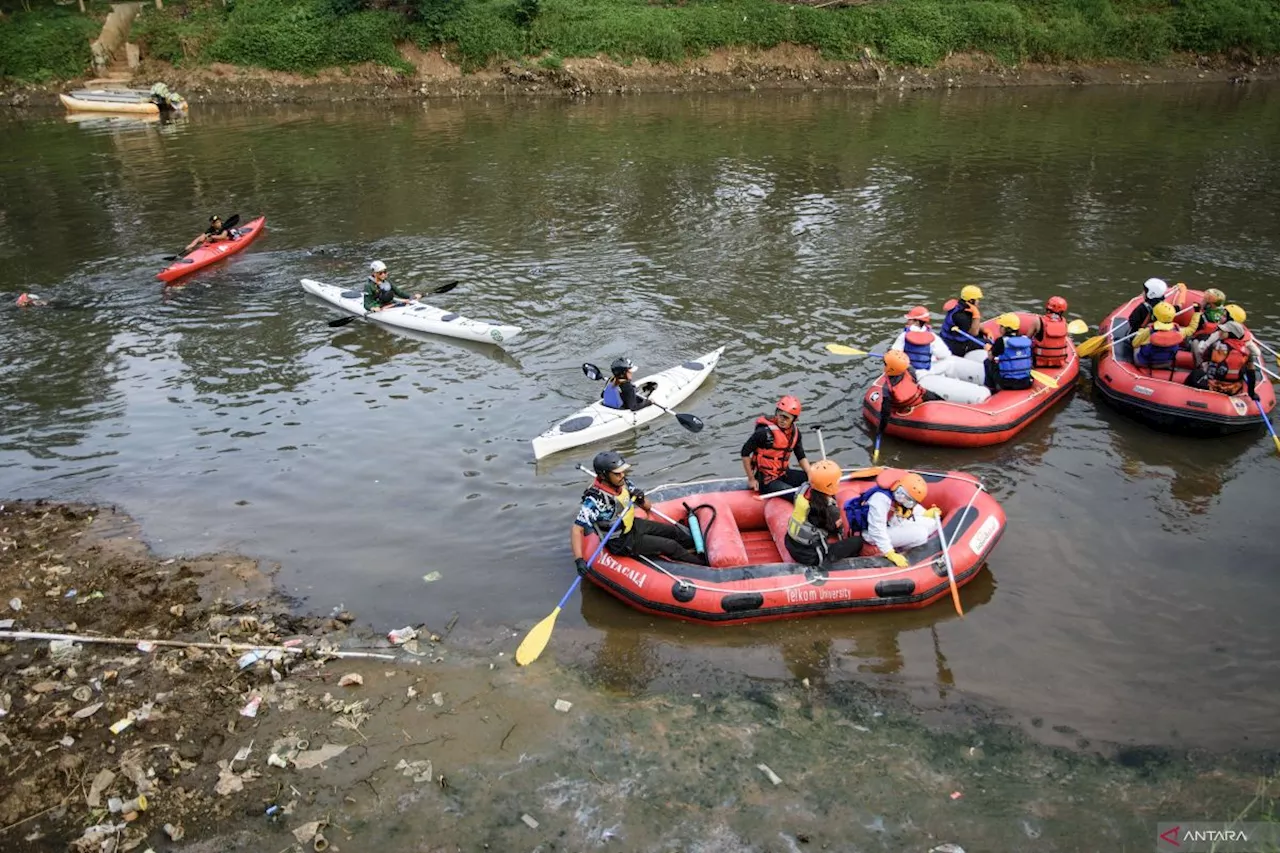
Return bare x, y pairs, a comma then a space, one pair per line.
919, 313
1056, 305
790, 405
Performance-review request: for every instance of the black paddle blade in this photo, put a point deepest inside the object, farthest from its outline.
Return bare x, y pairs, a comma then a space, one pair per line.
445, 288
591, 371
170, 257
690, 422
231, 222
342, 321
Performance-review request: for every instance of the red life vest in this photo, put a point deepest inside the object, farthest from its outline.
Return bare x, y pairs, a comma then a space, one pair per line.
917, 344
772, 462
904, 392
1226, 370
1051, 349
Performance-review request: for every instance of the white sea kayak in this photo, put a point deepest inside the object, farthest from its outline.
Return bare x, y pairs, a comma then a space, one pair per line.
417, 316
597, 421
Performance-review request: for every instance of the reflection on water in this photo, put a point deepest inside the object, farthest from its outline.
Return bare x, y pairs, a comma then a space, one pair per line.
225, 413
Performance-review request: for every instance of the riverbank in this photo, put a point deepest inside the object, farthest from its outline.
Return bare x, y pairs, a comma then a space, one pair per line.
787, 67
451, 746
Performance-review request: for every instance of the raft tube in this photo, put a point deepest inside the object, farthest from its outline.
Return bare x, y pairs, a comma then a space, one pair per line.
998, 419
751, 579
1161, 399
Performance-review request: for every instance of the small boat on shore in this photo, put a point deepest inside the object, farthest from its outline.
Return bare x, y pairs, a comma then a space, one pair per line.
749, 580
135, 101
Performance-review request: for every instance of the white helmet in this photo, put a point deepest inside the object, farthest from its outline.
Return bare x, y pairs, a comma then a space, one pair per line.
378, 266
1155, 288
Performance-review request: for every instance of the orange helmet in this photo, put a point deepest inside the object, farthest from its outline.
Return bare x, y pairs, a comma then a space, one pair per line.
790, 405
1056, 305
896, 362
919, 313
910, 490
825, 476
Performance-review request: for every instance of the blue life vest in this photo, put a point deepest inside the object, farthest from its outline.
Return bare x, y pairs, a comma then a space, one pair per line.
1015, 361
1161, 348
916, 346
612, 396
856, 509
949, 322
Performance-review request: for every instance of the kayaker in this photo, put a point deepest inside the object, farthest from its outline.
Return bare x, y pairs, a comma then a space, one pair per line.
1153, 290
894, 519
817, 517
1229, 358
766, 455
1048, 334
929, 354
963, 314
380, 294
215, 233
1157, 345
30, 300
613, 492
619, 391
1009, 368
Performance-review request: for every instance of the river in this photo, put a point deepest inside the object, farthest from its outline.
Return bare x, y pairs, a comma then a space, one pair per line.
1132, 598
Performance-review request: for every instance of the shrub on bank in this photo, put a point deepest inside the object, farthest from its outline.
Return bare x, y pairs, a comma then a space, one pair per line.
49, 43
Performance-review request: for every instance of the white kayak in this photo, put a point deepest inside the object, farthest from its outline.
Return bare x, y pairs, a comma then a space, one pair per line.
597, 421
417, 316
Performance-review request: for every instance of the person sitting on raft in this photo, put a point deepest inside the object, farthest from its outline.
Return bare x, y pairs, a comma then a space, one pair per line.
1009, 368
611, 493
1048, 335
1153, 291
215, 233
904, 388
380, 294
817, 517
1207, 319
620, 393
963, 314
766, 454
893, 520
1229, 360
929, 354
1157, 345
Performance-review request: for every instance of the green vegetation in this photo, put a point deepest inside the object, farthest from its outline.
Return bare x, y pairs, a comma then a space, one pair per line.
307, 35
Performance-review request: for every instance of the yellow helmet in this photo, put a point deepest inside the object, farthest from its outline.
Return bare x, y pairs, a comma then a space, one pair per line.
1164, 312
825, 476
1235, 312
1009, 321
971, 293
1214, 296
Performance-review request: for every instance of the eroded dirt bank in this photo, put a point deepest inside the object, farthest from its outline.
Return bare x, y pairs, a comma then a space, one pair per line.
451, 747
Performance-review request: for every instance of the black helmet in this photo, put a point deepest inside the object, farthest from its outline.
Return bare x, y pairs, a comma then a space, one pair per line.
621, 366
608, 462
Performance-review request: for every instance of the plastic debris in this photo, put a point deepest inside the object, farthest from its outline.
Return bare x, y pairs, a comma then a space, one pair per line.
100, 783
177, 610
529, 821
120, 725
431, 577
421, 771
315, 757
15, 604
276, 761
307, 831
351, 679
563, 706
402, 635
437, 698
955, 795
146, 646
93, 596
250, 658
411, 691
251, 707
71, 593
242, 754
6, 624
949, 847
63, 652
67, 741
773, 777
175, 833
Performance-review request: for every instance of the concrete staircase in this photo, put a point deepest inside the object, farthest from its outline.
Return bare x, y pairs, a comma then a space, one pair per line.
114, 57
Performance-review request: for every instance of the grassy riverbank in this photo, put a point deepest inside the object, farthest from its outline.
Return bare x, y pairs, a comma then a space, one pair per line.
308, 35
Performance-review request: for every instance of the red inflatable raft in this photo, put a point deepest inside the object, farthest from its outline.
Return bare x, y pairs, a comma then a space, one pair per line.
1161, 399
213, 252
748, 581
999, 419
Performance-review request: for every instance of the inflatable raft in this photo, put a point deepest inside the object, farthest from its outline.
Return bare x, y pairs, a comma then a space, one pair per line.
132, 101
1160, 398
998, 419
210, 253
748, 580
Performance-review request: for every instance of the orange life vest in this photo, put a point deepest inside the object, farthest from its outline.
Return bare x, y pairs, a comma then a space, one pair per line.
904, 392
1051, 349
772, 462
1226, 369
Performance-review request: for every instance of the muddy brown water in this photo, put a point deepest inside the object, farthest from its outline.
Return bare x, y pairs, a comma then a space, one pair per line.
1132, 599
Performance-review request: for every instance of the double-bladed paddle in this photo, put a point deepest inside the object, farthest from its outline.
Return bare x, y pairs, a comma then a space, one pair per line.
690, 422
231, 222
342, 321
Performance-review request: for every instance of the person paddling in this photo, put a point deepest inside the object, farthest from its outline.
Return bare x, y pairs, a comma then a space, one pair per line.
817, 517
215, 233
1153, 290
380, 294
1229, 359
1048, 333
929, 354
1009, 368
620, 392
962, 322
1157, 345
766, 454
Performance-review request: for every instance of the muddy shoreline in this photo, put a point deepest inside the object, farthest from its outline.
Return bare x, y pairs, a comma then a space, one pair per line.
452, 747
786, 67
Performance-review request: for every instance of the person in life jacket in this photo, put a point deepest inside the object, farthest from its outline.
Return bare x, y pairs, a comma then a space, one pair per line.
929, 354
766, 455
1230, 358
1009, 368
215, 233
1153, 290
30, 300
963, 314
1157, 345
619, 391
1048, 333
612, 493
817, 517
893, 520
1206, 320
902, 390
380, 294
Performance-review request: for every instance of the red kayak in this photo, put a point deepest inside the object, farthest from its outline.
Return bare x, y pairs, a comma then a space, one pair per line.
1160, 398
212, 252
998, 419
750, 581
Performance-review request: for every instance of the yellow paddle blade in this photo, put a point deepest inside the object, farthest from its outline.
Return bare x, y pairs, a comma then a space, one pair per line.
875, 456
1092, 347
1077, 327
1277, 441
1044, 379
536, 640
841, 349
